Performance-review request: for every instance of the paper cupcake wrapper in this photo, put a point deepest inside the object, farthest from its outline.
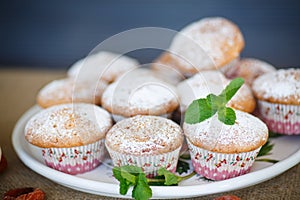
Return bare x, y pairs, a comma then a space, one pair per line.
150, 164
75, 160
221, 166
280, 118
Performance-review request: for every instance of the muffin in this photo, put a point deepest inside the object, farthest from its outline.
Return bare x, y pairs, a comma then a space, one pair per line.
150, 142
103, 65
206, 82
278, 96
220, 151
207, 44
139, 93
249, 69
70, 136
230, 67
164, 68
69, 90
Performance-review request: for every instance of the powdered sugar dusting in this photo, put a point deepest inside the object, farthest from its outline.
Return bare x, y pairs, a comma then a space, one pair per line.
102, 65
205, 43
282, 86
68, 90
156, 93
256, 66
144, 135
68, 125
249, 69
248, 133
139, 92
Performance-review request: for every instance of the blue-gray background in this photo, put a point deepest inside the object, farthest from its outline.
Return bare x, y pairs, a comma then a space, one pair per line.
54, 34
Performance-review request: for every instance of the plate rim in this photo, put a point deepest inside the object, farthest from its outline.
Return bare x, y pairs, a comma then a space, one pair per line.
112, 190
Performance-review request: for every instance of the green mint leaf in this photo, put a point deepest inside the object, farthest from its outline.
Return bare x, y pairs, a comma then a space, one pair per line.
198, 111
215, 102
192, 115
227, 116
117, 173
124, 184
202, 109
129, 172
231, 89
274, 135
126, 175
170, 178
182, 167
132, 169
124, 187
141, 191
265, 149
129, 177
205, 110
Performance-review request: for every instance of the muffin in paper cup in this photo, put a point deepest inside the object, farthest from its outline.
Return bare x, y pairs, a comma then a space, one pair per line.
139, 92
220, 166
220, 151
278, 96
71, 136
75, 160
149, 142
280, 118
150, 164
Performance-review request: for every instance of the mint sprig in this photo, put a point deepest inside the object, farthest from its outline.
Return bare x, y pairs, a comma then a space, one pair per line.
264, 151
130, 175
204, 108
133, 176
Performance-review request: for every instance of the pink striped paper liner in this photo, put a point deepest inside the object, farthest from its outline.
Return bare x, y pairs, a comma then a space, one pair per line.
75, 160
221, 166
280, 118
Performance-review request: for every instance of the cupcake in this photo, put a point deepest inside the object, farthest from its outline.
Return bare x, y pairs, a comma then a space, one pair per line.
206, 82
103, 65
207, 44
164, 68
70, 136
139, 93
220, 151
69, 90
149, 142
249, 69
278, 96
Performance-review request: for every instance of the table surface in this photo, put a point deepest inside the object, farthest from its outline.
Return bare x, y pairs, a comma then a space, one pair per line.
18, 89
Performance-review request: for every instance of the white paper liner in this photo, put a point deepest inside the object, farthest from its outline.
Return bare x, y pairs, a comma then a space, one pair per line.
75, 160
150, 164
220, 166
280, 118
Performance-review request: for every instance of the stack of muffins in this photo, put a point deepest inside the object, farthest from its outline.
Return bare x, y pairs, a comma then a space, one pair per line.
109, 102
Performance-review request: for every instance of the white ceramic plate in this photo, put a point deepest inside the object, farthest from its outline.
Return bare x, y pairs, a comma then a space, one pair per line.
100, 181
